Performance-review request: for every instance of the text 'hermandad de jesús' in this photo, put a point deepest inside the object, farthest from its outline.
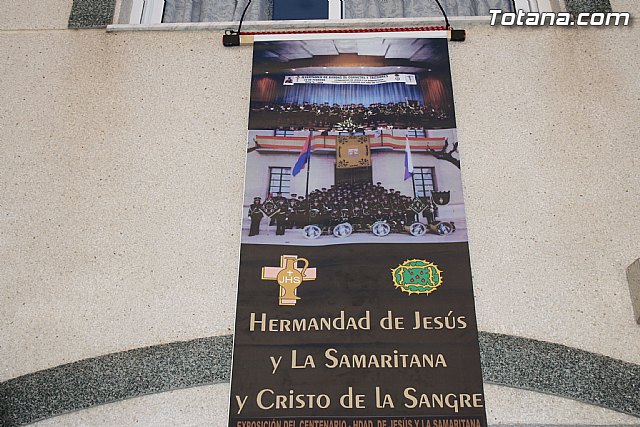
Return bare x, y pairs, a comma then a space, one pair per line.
343, 322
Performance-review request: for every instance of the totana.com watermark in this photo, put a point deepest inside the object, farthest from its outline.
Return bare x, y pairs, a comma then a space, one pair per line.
534, 19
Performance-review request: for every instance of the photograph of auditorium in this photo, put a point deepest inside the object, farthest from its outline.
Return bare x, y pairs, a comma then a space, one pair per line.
303, 83
352, 141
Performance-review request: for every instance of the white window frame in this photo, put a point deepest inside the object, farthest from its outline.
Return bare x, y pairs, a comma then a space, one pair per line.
149, 12
146, 12
416, 133
336, 9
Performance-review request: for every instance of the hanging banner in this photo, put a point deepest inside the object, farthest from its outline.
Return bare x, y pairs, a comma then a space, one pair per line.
355, 302
353, 151
408, 79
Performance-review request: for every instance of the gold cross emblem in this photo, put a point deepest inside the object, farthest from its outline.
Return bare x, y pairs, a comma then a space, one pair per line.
289, 276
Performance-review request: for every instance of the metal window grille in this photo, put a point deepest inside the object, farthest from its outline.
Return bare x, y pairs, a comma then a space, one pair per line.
279, 181
424, 181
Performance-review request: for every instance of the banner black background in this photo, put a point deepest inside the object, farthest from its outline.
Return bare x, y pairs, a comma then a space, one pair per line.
355, 278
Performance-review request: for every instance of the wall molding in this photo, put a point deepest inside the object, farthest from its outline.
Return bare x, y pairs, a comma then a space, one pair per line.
506, 360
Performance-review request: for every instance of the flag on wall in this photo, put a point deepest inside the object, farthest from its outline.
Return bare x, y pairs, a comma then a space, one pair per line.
303, 157
408, 160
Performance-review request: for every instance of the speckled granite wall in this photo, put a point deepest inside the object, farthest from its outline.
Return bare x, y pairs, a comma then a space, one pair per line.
91, 13
114, 377
588, 6
506, 360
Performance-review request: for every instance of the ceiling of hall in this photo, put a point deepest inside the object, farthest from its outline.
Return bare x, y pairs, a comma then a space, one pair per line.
418, 50
349, 56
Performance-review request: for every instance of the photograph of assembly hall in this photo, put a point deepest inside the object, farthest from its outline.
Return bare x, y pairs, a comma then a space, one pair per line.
352, 141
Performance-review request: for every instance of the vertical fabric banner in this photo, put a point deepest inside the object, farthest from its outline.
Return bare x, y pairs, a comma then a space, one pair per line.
355, 302
353, 151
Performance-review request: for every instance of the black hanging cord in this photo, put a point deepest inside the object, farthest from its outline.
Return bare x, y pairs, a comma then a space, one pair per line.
232, 37
513, 3
455, 35
242, 17
446, 20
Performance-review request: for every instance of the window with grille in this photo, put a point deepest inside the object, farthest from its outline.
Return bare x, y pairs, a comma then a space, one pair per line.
417, 133
182, 11
280, 180
424, 181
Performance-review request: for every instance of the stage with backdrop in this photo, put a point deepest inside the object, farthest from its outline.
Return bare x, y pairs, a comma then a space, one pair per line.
355, 302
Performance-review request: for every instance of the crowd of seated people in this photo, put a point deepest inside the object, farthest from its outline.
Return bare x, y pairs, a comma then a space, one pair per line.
374, 116
360, 204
